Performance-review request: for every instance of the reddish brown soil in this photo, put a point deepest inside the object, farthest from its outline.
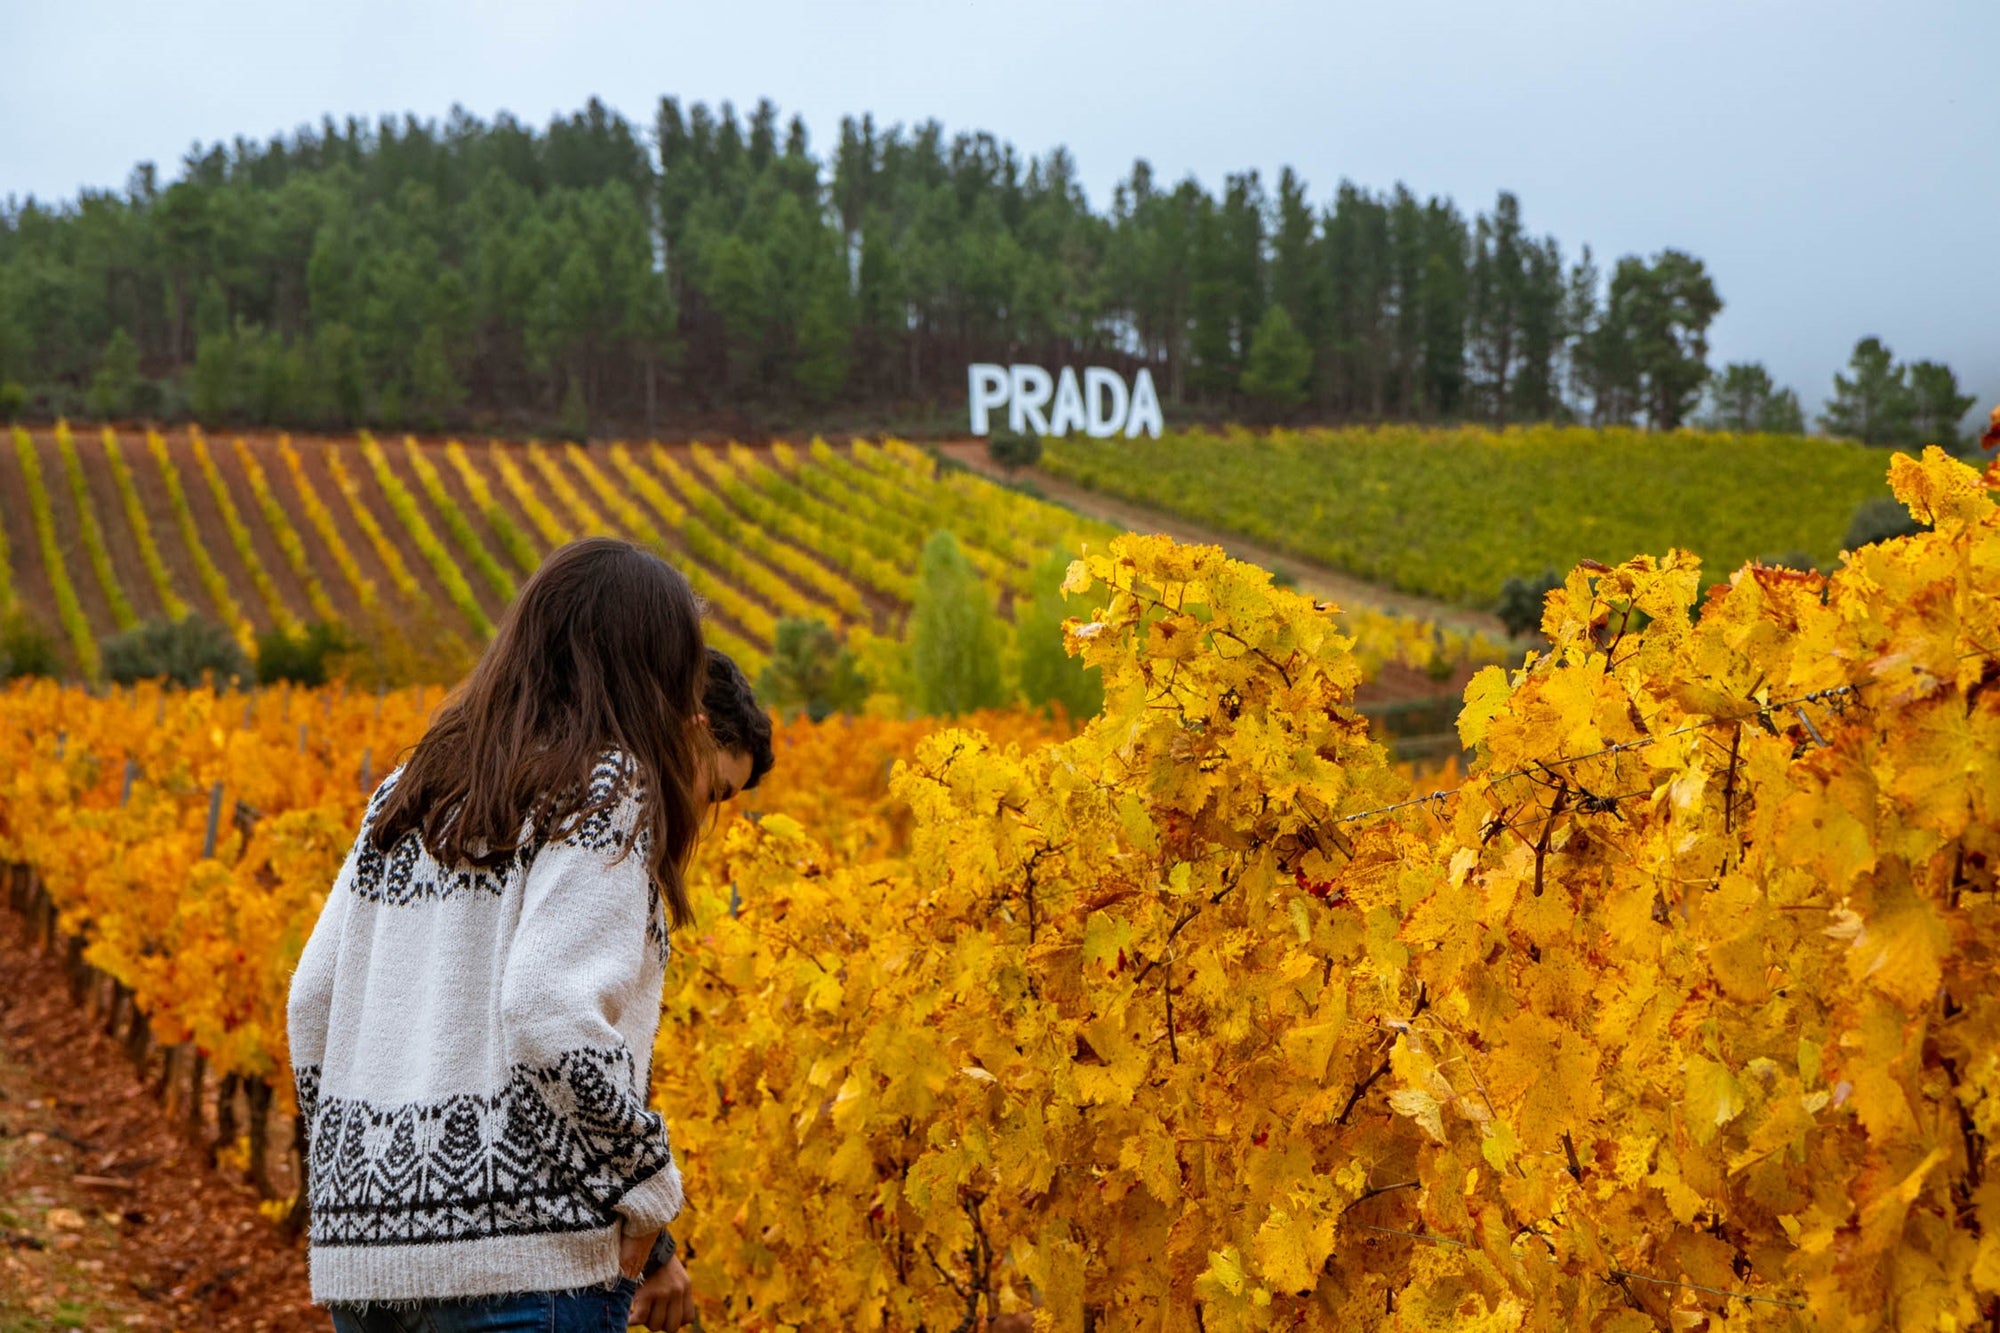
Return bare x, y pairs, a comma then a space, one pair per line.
208, 523
399, 463
671, 540
346, 601
454, 486
117, 529
222, 448
312, 456
885, 611
481, 456
90, 593
109, 1217
24, 548
166, 531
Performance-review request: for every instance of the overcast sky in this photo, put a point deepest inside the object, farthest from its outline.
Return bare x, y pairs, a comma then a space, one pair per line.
1835, 162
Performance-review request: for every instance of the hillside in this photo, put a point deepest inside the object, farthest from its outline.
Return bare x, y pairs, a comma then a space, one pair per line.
261, 530
1452, 513
417, 546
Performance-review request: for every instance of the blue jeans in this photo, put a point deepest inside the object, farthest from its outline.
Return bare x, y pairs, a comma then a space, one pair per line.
587, 1310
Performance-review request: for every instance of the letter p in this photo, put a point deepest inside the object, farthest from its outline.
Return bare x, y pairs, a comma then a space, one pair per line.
987, 387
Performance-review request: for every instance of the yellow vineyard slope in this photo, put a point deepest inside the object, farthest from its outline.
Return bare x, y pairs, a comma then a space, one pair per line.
1681, 1012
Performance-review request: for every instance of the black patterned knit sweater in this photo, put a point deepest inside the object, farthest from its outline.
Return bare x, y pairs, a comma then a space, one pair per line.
472, 1050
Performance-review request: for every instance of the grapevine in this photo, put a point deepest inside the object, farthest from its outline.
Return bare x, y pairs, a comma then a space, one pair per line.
429, 546
1266, 1055
512, 540
279, 523
122, 614
754, 618
142, 528
708, 499
1495, 503
239, 532
7, 595
323, 523
715, 539
588, 520
775, 504
68, 610
1680, 1011
841, 480
385, 549
648, 486
552, 529
456, 523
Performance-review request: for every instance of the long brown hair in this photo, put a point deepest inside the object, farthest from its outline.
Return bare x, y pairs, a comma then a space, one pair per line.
600, 652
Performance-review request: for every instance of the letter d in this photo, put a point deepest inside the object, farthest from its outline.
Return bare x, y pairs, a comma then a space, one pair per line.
1098, 385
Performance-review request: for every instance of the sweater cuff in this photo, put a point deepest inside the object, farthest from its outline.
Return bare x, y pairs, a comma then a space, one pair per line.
653, 1202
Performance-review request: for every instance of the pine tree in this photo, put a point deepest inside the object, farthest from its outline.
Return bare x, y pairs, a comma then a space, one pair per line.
1279, 364
116, 382
1783, 415
824, 340
954, 637
1936, 406
1744, 397
435, 394
215, 392
1872, 403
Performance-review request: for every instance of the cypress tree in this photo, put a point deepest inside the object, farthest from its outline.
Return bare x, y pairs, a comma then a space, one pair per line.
954, 637
1049, 675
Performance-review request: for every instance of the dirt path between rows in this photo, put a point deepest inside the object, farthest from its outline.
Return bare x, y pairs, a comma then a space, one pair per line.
1322, 581
116, 525
109, 1217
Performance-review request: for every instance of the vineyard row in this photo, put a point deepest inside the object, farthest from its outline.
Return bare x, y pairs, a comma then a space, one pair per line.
1682, 1010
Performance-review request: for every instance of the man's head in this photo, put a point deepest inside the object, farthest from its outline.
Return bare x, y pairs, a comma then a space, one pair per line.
741, 727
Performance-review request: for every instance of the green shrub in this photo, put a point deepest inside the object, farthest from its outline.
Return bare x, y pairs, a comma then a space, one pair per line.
1014, 450
812, 672
1520, 604
26, 649
13, 401
301, 656
1878, 520
181, 652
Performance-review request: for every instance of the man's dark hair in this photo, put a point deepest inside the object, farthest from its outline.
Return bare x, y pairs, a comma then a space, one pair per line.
735, 719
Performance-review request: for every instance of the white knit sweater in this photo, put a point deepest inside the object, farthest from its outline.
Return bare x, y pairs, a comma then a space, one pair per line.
472, 1050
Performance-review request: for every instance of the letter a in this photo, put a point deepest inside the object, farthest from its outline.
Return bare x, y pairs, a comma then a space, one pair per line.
1145, 414
986, 388
1099, 383
1068, 415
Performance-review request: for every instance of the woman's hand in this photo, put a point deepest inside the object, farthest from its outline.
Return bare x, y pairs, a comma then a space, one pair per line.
665, 1301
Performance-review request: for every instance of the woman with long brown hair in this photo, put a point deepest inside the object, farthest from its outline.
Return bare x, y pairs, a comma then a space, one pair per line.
472, 1021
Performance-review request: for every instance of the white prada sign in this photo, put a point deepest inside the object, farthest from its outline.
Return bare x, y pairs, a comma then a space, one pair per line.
1099, 406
